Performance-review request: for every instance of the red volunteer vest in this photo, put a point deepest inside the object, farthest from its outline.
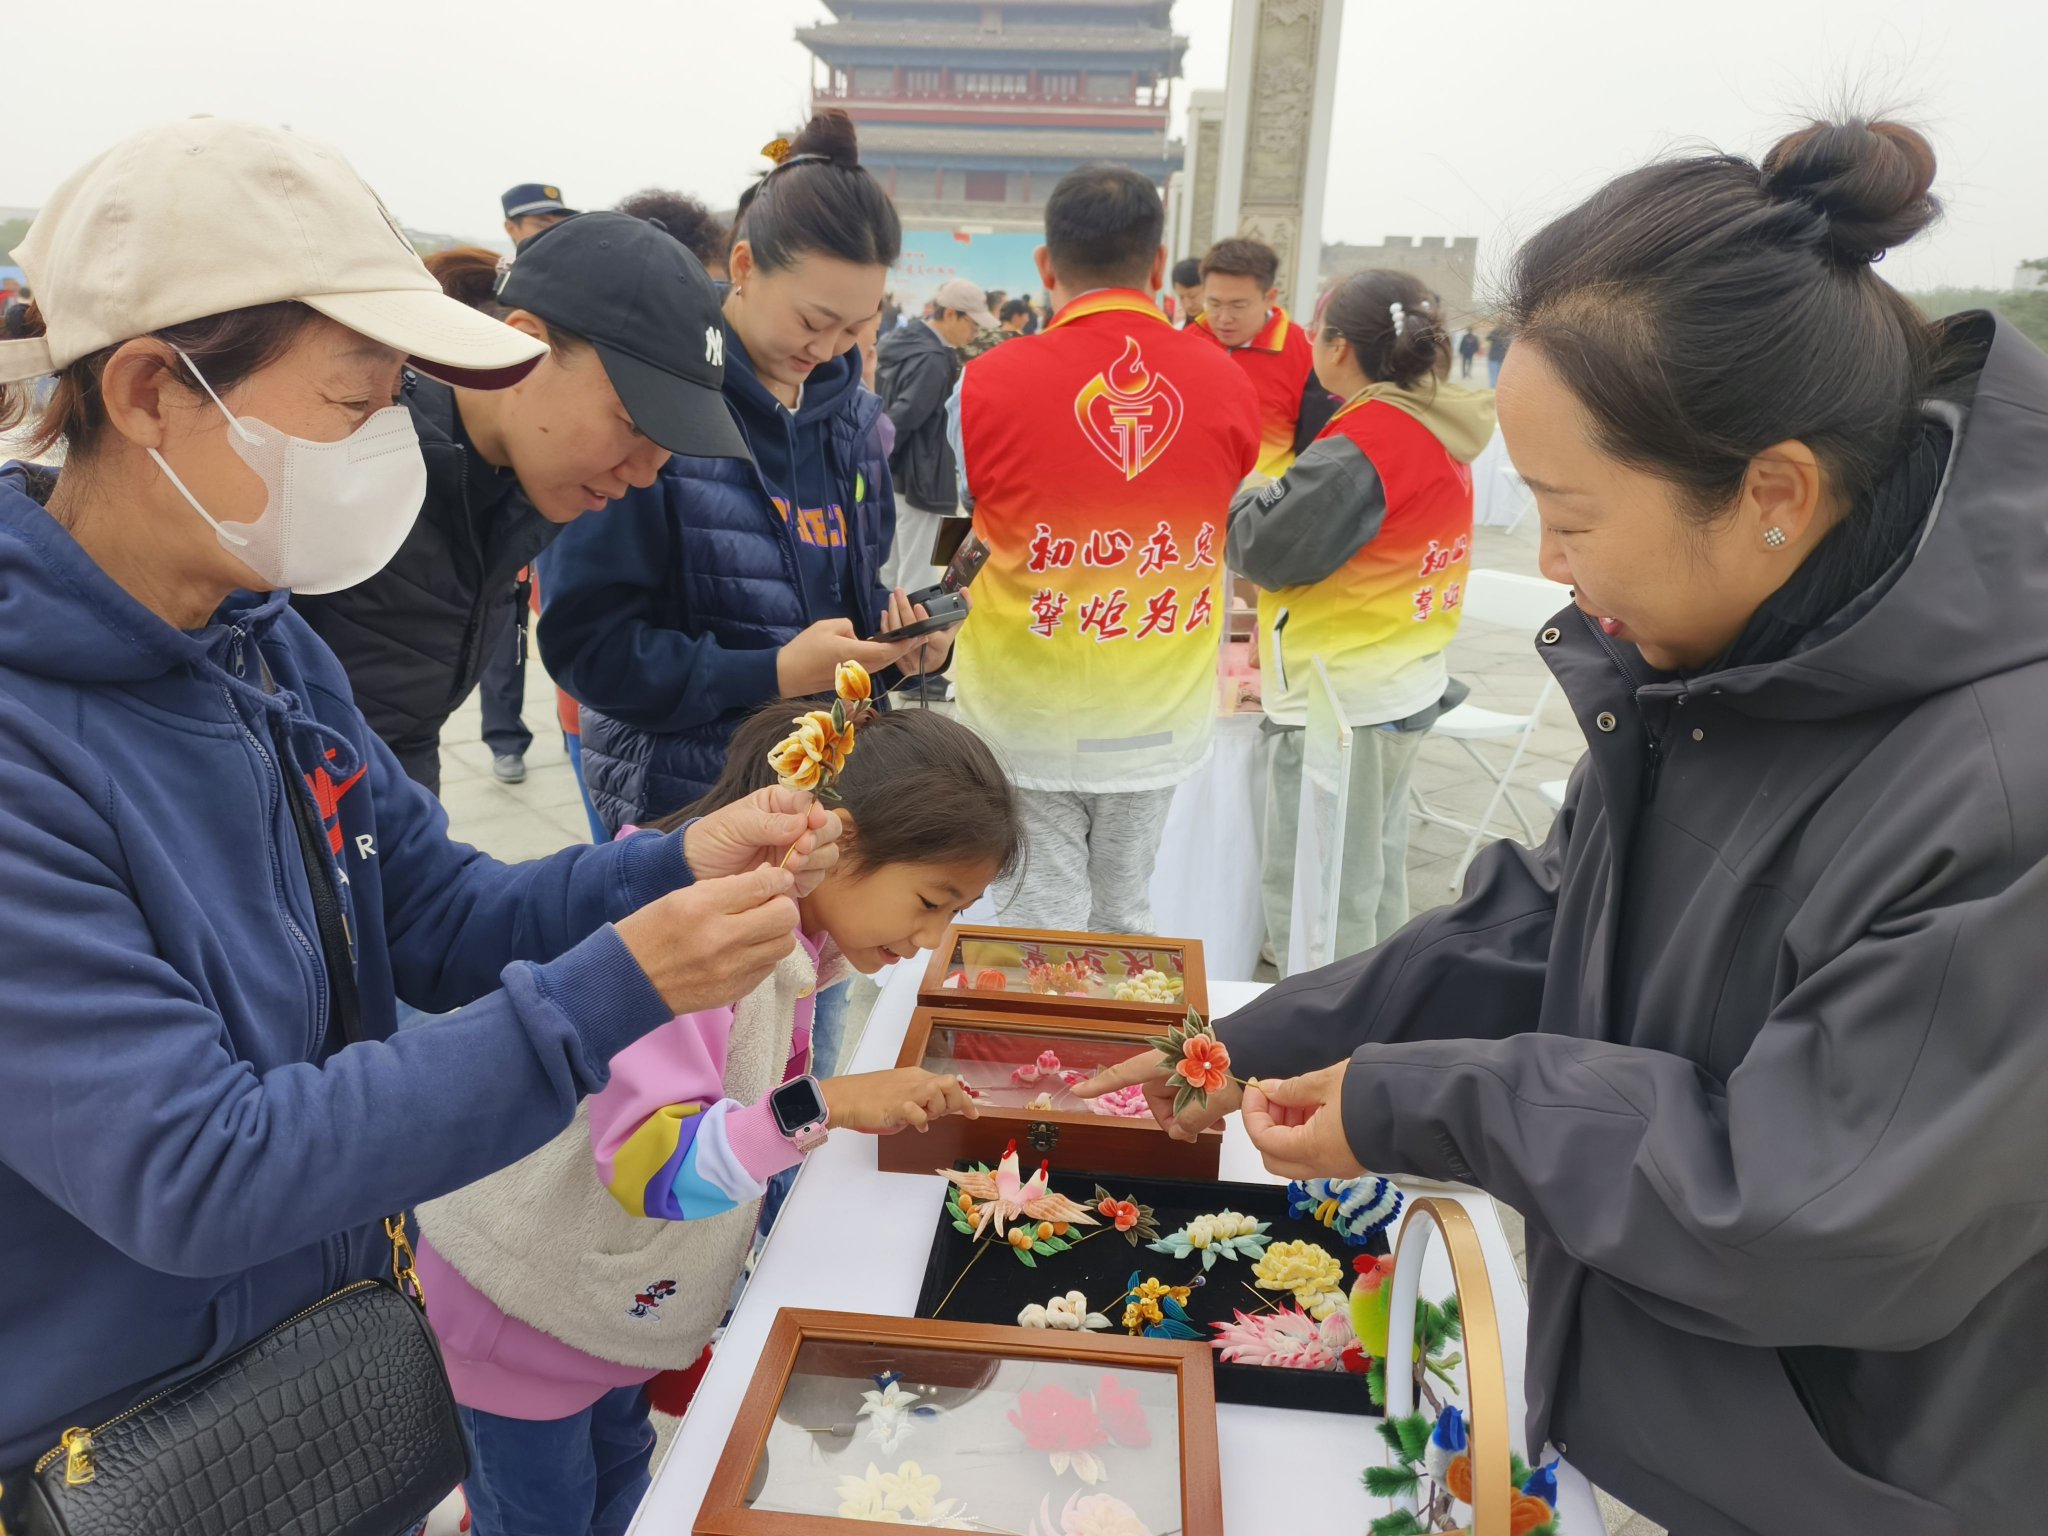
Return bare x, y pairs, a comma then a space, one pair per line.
1102, 456
1278, 361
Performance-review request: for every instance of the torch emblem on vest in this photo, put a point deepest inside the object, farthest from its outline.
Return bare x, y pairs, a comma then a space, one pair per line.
1129, 413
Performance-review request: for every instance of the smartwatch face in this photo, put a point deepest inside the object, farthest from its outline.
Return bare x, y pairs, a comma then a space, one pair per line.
797, 1105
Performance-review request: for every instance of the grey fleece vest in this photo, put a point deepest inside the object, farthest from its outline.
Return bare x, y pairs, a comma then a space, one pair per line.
547, 1244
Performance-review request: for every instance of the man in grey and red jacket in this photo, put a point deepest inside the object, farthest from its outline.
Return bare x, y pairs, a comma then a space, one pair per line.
916, 369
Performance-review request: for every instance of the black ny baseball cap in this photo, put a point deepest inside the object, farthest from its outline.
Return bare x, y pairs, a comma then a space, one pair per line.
642, 300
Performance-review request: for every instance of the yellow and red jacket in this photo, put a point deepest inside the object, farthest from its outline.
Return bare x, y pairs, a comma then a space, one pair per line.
1361, 553
1100, 457
1293, 405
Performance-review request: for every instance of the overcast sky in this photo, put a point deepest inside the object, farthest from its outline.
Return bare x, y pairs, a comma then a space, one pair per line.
1479, 118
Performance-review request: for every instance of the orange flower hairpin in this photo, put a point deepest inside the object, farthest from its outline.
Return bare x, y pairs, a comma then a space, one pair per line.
1199, 1063
811, 757
776, 150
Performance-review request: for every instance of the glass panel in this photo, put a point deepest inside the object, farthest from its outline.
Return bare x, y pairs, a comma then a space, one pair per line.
1017, 1069
1153, 972
912, 1435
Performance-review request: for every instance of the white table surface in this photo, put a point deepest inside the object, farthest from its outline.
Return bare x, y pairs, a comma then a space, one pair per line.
1205, 884
1285, 1472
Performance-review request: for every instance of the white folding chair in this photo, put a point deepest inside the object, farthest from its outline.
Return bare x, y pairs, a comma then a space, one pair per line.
1552, 791
1319, 834
1514, 602
1515, 489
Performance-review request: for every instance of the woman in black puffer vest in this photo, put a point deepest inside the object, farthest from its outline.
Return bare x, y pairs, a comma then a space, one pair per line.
729, 584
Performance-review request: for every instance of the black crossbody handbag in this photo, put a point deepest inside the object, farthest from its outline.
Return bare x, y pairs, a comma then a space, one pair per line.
337, 1422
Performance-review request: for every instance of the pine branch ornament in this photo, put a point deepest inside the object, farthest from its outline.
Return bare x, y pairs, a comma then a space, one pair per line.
1432, 1464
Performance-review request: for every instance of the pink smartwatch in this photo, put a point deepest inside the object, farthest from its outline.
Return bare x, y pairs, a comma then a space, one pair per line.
800, 1113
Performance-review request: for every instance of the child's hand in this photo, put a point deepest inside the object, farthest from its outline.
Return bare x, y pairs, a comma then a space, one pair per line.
882, 1103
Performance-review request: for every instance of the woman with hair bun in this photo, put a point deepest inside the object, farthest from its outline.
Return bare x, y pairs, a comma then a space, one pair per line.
728, 584
1755, 1041
1360, 552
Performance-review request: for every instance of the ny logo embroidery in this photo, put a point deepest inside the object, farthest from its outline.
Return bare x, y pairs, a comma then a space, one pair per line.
714, 346
1129, 413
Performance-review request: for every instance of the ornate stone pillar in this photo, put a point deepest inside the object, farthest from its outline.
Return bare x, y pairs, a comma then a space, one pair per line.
1195, 228
1276, 133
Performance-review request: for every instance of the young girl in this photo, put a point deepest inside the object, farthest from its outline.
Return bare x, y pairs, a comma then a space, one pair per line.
1361, 551
558, 1297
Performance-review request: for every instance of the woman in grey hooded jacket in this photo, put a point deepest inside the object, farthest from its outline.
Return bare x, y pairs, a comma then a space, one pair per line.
1755, 1041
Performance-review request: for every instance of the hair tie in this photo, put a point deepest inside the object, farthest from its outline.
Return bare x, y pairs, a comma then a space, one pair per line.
778, 150
1400, 315
807, 158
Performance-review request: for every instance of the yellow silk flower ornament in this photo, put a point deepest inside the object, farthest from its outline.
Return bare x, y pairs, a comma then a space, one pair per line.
1310, 1272
811, 757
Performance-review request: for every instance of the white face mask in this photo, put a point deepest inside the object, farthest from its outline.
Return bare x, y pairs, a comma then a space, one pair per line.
336, 512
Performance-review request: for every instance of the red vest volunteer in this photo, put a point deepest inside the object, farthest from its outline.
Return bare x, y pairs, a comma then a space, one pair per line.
1101, 458
1374, 585
1293, 406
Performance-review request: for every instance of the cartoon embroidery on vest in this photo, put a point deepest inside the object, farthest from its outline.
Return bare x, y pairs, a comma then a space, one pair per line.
648, 1302
1129, 413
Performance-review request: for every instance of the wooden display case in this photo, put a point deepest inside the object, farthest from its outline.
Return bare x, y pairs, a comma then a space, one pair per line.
854, 1419
1022, 1068
1067, 975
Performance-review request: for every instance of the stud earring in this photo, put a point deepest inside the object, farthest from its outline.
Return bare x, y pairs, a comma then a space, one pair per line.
1775, 537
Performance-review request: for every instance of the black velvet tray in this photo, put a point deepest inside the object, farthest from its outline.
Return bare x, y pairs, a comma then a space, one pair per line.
999, 1287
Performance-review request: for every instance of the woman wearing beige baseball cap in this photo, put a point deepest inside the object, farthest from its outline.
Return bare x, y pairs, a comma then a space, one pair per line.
218, 880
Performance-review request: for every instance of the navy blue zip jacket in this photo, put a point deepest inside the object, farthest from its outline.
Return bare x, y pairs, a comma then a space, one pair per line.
662, 616
187, 1157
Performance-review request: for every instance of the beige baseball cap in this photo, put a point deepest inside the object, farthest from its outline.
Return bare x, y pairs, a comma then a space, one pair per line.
200, 217
960, 293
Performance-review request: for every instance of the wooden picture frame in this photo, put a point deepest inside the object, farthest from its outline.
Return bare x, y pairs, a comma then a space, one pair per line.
1115, 950
725, 1511
1076, 1139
